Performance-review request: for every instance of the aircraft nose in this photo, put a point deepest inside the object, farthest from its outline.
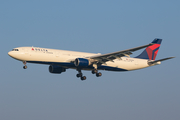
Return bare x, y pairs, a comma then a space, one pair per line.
10, 54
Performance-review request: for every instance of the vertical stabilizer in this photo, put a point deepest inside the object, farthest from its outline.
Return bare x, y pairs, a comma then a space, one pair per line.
151, 51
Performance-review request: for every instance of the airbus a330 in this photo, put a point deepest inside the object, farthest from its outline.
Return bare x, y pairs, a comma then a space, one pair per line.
60, 60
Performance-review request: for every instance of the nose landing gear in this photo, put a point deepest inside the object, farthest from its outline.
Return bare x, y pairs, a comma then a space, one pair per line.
25, 67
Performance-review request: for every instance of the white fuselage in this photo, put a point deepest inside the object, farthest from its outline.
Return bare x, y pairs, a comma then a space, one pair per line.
64, 59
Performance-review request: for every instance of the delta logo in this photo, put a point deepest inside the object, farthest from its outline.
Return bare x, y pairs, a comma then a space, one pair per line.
39, 49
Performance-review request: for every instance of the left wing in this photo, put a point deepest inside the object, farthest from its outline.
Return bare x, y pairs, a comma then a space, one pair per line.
116, 55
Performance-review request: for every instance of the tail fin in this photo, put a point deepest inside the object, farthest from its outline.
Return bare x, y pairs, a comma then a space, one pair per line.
151, 51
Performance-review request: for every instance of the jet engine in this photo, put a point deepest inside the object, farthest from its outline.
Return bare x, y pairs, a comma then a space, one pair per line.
56, 69
81, 62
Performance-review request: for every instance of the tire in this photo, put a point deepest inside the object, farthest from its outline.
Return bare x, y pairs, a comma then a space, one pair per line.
99, 74
83, 78
25, 67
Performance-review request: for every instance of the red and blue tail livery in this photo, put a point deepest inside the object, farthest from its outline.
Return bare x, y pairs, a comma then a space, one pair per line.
151, 51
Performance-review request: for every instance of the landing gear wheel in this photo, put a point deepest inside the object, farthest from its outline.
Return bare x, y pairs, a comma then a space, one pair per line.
94, 71
83, 78
99, 74
79, 75
25, 67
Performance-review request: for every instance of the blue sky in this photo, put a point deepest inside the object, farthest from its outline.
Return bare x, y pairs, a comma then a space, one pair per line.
97, 26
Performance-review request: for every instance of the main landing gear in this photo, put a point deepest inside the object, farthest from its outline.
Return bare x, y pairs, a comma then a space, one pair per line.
95, 71
81, 75
25, 67
98, 74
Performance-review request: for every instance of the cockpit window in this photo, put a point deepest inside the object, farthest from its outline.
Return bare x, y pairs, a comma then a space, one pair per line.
15, 50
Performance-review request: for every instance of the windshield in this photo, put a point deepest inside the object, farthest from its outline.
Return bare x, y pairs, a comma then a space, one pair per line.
15, 49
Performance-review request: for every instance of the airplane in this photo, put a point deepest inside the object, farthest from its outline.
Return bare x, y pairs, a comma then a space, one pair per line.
60, 60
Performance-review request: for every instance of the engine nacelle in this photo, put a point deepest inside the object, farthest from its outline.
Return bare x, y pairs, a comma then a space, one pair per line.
56, 69
81, 62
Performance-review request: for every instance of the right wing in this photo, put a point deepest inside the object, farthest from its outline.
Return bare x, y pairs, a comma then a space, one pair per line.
116, 55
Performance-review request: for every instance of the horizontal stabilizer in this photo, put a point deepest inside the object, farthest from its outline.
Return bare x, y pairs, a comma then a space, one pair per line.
156, 61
